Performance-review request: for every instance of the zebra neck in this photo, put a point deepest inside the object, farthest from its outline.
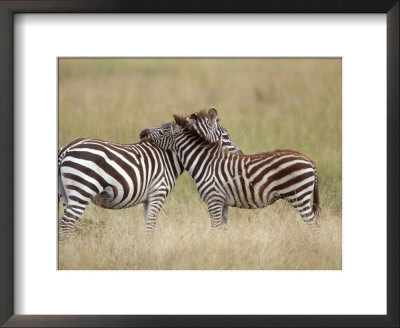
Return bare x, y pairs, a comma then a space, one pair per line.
174, 163
197, 156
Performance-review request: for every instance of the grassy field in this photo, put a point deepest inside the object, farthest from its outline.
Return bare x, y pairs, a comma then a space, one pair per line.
264, 103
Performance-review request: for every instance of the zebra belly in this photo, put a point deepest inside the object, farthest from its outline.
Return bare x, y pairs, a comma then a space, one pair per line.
239, 193
241, 201
103, 202
245, 205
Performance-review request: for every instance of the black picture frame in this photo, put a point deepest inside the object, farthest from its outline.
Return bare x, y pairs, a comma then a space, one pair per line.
7, 11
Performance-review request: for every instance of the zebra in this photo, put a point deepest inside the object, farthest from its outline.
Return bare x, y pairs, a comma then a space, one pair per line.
116, 176
224, 178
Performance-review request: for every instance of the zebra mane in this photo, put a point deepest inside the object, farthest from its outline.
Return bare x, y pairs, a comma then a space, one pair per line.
187, 125
183, 122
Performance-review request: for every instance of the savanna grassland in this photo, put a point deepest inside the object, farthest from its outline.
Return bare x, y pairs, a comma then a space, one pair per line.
264, 103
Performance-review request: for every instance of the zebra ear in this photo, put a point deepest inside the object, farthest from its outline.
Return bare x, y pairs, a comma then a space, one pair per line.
212, 115
192, 119
175, 128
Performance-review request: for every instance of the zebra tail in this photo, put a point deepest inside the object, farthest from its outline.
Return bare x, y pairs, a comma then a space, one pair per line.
315, 207
60, 151
61, 155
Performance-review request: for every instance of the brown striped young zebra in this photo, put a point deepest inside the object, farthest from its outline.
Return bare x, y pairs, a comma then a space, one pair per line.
116, 176
225, 178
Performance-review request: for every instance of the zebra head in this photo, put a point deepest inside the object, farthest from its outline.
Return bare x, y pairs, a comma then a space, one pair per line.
203, 124
162, 135
206, 125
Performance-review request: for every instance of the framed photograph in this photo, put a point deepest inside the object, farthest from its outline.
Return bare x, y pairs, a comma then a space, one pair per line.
253, 118
218, 164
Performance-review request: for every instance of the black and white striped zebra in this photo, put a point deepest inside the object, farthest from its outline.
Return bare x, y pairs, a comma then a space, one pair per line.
225, 178
116, 176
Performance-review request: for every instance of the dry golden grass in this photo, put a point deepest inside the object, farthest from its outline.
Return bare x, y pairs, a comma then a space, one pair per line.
273, 238
264, 104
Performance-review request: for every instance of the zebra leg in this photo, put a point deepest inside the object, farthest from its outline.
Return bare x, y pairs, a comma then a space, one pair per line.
302, 203
216, 216
225, 214
152, 208
312, 220
145, 207
72, 213
309, 217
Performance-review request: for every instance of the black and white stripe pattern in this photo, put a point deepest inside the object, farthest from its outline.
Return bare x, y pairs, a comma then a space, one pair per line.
114, 176
206, 125
225, 178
